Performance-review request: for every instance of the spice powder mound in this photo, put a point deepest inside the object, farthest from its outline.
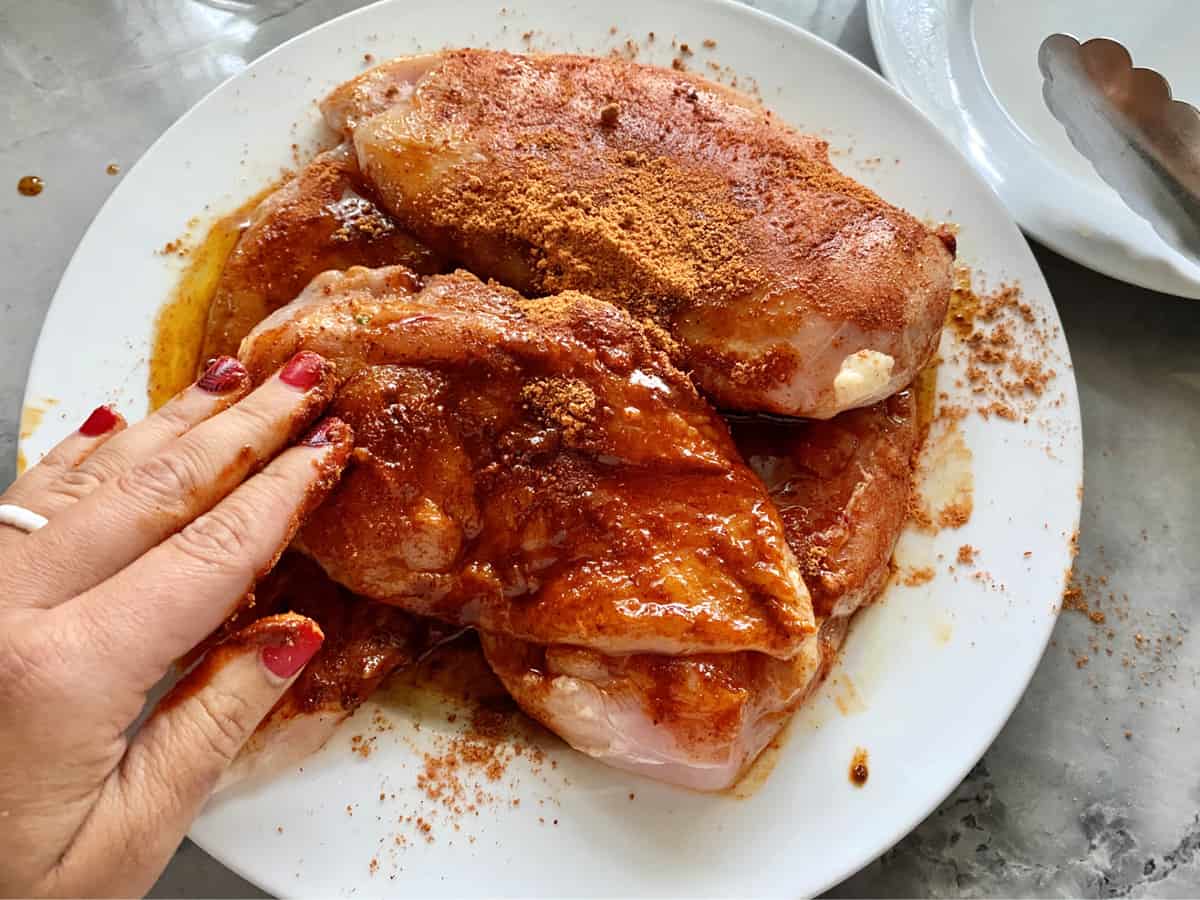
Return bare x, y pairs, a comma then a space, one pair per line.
565, 403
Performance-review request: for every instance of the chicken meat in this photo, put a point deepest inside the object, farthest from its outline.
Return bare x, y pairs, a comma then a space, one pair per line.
695, 720
323, 218
791, 288
538, 469
842, 488
698, 721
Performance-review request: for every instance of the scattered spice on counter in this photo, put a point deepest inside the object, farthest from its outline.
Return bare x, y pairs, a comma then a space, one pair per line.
1145, 640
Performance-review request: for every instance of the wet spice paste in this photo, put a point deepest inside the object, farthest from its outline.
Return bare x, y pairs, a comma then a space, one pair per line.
30, 186
858, 767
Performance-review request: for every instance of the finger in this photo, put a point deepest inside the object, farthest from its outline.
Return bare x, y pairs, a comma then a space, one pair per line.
123, 518
149, 614
30, 489
223, 383
308, 714
176, 759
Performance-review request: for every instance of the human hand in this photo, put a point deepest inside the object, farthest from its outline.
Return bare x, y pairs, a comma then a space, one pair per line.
155, 533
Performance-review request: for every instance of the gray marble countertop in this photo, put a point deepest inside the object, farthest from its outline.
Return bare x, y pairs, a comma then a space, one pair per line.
1093, 787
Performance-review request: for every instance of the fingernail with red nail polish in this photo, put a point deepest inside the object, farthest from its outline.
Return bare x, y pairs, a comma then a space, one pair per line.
328, 431
222, 375
286, 659
100, 421
303, 370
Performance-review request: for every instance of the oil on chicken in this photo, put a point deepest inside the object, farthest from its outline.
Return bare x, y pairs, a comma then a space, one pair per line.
539, 456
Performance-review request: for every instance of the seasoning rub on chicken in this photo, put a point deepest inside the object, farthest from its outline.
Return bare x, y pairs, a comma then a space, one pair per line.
536, 455
791, 287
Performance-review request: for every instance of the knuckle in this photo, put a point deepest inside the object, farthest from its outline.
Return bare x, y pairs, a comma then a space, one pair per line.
174, 420
166, 478
224, 723
74, 484
218, 537
61, 457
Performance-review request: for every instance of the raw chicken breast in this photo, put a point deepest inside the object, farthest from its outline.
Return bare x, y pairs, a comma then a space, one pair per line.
323, 218
842, 488
791, 288
698, 721
536, 468
695, 721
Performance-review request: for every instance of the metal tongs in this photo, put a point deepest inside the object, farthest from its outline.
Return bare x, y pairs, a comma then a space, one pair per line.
1142, 142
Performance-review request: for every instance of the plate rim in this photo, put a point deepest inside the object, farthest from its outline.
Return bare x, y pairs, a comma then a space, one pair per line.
1079, 249
855, 862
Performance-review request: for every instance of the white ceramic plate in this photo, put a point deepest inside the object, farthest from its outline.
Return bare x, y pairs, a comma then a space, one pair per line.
971, 66
929, 676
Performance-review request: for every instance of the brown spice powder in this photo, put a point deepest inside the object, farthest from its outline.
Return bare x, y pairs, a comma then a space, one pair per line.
704, 201
954, 515
915, 577
657, 232
1005, 347
565, 403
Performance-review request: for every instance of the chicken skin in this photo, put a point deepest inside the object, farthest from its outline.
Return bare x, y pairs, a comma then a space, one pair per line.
790, 287
538, 469
842, 489
698, 721
695, 721
323, 218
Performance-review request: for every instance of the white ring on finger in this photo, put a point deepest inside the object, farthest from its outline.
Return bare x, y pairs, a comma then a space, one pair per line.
20, 517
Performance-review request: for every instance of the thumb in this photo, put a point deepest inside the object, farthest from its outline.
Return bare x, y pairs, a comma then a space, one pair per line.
179, 755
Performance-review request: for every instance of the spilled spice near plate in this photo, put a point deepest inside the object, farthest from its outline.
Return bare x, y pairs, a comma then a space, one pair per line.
30, 186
